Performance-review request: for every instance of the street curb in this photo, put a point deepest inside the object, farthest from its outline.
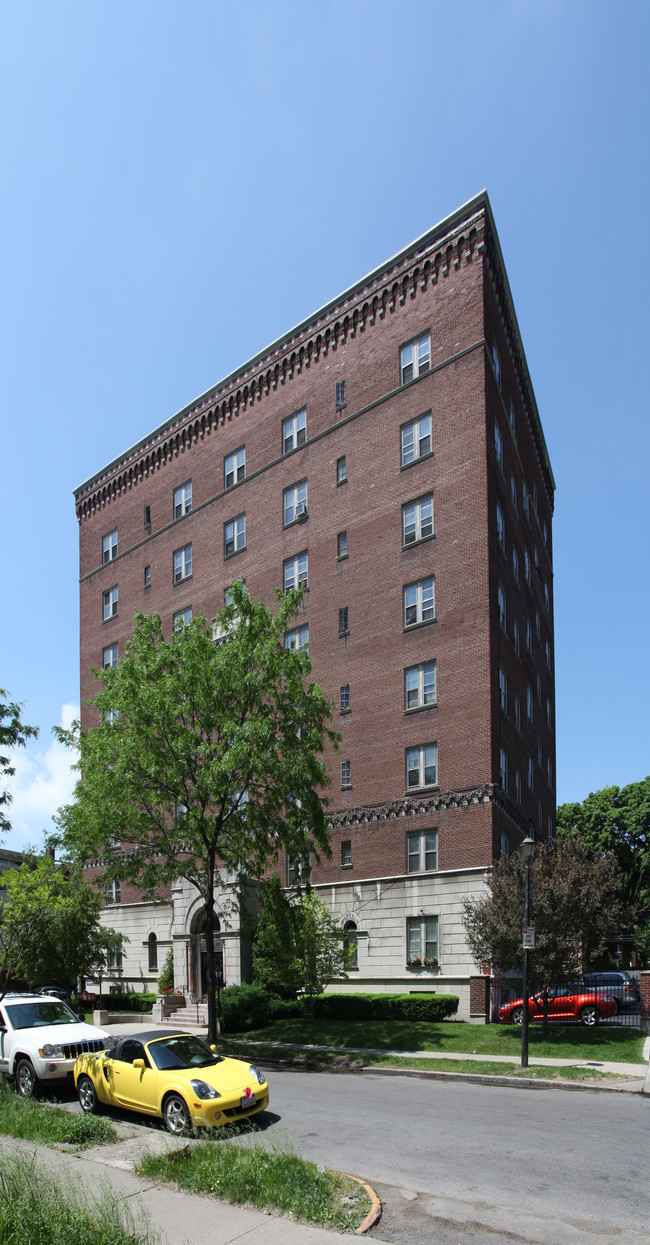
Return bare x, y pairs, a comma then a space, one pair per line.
374, 1214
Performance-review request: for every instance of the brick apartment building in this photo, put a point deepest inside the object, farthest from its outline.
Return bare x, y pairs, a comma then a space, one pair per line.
388, 454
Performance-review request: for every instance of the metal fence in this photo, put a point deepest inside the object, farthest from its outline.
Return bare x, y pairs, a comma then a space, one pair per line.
606, 998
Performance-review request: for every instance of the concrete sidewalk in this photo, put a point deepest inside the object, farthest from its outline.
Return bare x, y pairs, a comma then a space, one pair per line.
178, 1218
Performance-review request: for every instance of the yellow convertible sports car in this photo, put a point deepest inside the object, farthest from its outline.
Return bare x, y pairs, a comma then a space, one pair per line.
174, 1076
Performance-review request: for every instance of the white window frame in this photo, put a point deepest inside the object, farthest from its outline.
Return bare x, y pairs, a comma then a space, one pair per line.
421, 760
183, 499
182, 619
234, 467
234, 535
295, 572
113, 892
344, 698
298, 869
294, 503
110, 603
294, 431
298, 638
419, 596
109, 547
109, 657
415, 359
342, 545
182, 563
416, 439
346, 853
420, 687
417, 520
422, 851
422, 939
341, 470
346, 774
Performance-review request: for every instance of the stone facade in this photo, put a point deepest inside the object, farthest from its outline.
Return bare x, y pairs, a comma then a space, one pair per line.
426, 533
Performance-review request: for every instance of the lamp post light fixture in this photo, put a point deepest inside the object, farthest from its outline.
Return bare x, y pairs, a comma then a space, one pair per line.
527, 850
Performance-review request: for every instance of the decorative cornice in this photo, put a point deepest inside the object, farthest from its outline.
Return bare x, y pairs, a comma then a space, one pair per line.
413, 806
383, 292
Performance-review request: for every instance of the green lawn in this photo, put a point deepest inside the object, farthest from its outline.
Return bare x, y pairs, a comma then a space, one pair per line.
562, 1042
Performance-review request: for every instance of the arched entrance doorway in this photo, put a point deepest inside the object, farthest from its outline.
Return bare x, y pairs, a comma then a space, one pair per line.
199, 955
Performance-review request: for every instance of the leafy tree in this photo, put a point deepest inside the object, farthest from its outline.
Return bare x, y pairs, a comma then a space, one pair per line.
50, 929
166, 979
14, 733
298, 947
575, 906
617, 820
207, 756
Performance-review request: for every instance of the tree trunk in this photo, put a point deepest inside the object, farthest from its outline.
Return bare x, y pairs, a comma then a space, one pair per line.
209, 946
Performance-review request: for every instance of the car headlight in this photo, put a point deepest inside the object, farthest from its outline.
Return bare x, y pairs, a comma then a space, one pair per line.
256, 1073
204, 1091
51, 1052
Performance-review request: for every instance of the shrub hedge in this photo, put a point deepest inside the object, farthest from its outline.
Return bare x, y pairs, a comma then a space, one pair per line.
431, 1007
244, 1007
125, 1002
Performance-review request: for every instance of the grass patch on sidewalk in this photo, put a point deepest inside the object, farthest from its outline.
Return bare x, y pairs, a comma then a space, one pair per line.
477, 1067
270, 1178
36, 1121
38, 1208
562, 1042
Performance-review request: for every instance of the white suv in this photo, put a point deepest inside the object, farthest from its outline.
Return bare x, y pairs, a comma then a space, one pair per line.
40, 1039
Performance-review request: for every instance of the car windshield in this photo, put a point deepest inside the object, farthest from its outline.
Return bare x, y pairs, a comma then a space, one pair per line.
182, 1052
36, 1015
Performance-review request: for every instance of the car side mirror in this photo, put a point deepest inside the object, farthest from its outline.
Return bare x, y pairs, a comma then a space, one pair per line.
213, 1047
140, 1064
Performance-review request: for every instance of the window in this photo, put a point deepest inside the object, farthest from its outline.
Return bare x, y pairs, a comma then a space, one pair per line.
512, 417
416, 439
501, 527
351, 944
298, 638
417, 520
545, 534
294, 502
503, 691
421, 766
496, 364
343, 621
524, 499
109, 546
513, 491
234, 467
183, 500
182, 563
419, 605
294, 431
182, 619
527, 566
498, 445
535, 558
539, 689
517, 713
529, 704
109, 604
505, 846
516, 638
234, 535
341, 470
529, 636
547, 598
422, 940
422, 851
539, 753
298, 870
344, 698
340, 393
147, 516
181, 811
152, 948
549, 771
111, 715
538, 626
501, 606
415, 359
531, 774
342, 545
548, 654
535, 499
114, 963
515, 564
147, 576
346, 853
503, 769
548, 713
549, 828
346, 773
420, 685
294, 572
518, 786
113, 893
109, 657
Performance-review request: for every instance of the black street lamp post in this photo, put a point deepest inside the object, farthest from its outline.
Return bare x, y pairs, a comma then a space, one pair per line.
527, 850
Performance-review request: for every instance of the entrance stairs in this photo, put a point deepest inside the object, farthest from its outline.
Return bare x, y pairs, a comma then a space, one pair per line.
192, 1014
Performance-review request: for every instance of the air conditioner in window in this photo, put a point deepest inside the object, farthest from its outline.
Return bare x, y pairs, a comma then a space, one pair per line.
301, 510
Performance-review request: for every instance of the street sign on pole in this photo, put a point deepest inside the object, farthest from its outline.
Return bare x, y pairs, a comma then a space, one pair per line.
529, 938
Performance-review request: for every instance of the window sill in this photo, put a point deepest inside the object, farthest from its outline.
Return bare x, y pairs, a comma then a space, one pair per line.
233, 554
342, 557
420, 709
415, 544
111, 619
177, 582
340, 482
350, 866
343, 713
343, 634
435, 786
346, 786
428, 622
301, 518
420, 459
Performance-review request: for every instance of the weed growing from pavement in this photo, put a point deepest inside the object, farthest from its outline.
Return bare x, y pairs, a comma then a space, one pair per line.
36, 1121
38, 1208
270, 1177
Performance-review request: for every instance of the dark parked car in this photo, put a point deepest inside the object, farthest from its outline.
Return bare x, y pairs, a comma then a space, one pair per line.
620, 985
55, 992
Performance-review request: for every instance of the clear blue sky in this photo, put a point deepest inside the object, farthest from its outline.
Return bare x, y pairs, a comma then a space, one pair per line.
181, 184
